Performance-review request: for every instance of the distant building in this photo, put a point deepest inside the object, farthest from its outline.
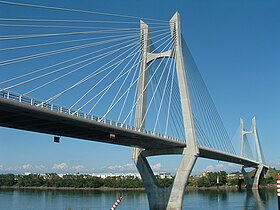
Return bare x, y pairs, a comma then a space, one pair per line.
164, 175
235, 176
204, 174
105, 175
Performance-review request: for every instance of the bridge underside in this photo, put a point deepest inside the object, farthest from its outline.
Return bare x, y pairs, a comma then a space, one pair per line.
31, 118
210, 153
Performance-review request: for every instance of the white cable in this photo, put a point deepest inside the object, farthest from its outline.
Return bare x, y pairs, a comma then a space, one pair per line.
75, 21
45, 68
144, 88
54, 52
81, 81
117, 64
22, 36
137, 80
101, 92
155, 99
153, 95
72, 27
135, 95
46, 74
100, 81
52, 72
135, 92
163, 96
170, 98
75, 58
125, 79
110, 85
77, 10
138, 63
68, 73
78, 40
68, 41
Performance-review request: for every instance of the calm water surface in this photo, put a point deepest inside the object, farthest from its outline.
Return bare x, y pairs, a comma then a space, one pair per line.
89, 200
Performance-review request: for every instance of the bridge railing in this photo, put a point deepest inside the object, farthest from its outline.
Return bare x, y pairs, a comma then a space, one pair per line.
60, 109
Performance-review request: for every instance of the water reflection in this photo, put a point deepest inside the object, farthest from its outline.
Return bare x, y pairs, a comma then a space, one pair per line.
254, 200
90, 200
222, 199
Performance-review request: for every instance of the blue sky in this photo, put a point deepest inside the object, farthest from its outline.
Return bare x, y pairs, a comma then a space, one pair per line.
236, 47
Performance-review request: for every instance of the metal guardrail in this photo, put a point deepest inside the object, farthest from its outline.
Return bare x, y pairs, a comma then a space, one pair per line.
60, 109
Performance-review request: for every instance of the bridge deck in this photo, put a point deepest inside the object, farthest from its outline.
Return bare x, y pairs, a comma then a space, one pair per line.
26, 117
210, 153
32, 118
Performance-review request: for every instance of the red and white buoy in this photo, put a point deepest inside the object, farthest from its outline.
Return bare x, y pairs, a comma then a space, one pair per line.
278, 190
116, 203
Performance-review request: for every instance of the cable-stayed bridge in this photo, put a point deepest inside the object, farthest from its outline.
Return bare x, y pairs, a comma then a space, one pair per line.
116, 79
21, 112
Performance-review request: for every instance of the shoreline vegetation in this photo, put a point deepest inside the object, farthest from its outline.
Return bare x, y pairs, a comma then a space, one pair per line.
107, 189
52, 181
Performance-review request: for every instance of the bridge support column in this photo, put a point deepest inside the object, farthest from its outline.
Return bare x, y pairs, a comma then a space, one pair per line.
191, 151
178, 189
258, 175
157, 196
252, 183
247, 179
160, 198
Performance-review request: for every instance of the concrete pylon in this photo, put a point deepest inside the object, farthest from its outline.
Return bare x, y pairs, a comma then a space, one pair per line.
165, 198
252, 183
156, 195
191, 151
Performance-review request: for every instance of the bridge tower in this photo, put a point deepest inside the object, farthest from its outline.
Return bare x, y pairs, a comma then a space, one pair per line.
252, 183
165, 198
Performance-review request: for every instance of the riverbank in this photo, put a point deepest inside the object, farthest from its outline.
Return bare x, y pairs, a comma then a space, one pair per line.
53, 181
72, 188
189, 188
225, 187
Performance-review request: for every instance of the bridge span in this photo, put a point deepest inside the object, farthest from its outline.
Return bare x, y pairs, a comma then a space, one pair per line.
26, 113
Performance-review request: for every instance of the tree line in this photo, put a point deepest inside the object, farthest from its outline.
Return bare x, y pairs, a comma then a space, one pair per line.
74, 181
87, 181
69, 180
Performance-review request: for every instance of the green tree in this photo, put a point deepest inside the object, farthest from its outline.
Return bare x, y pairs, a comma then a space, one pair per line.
7, 180
30, 180
222, 177
53, 180
203, 182
165, 182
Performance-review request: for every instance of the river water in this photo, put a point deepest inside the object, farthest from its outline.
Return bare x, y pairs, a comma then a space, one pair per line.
89, 200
